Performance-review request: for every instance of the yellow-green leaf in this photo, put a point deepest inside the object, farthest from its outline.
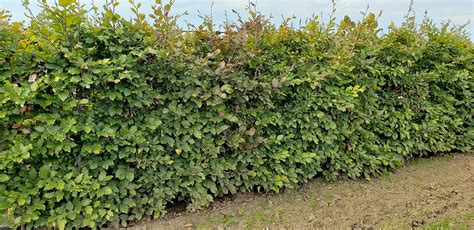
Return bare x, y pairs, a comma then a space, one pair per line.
65, 3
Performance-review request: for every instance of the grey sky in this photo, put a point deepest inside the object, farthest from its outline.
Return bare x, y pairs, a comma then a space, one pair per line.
459, 11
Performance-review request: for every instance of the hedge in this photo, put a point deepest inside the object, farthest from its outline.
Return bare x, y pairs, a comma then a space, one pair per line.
106, 120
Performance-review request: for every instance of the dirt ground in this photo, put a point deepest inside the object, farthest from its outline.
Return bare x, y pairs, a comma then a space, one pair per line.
432, 193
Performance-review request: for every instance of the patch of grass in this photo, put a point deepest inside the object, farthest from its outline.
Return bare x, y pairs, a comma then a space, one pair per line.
386, 177
418, 161
445, 224
229, 220
328, 197
280, 212
314, 201
457, 222
258, 215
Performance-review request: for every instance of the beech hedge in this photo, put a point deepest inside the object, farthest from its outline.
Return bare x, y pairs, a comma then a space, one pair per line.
107, 120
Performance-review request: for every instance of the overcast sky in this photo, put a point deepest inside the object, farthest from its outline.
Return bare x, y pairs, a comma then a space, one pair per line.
459, 11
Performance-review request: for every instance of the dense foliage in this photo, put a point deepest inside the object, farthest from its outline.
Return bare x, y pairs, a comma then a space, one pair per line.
107, 120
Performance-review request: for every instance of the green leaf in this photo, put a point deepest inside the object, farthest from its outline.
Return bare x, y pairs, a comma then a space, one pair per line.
65, 3
227, 88
197, 134
102, 176
63, 96
71, 215
59, 196
4, 177
3, 219
88, 210
211, 185
62, 224
84, 101
123, 208
130, 176
87, 128
222, 128
107, 190
120, 173
3, 203
44, 172
21, 201
280, 137
60, 185
78, 179
107, 132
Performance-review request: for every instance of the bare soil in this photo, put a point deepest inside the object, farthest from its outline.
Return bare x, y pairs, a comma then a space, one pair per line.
433, 193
